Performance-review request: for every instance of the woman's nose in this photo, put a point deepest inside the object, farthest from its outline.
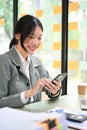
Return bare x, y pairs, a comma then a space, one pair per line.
35, 41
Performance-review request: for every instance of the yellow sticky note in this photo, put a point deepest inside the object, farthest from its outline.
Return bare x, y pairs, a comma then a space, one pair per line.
74, 44
74, 6
56, 46
57, 9
73, 65
1, 21
56, 64
56, 27
40, 47
73, 26
39, 13
23, 14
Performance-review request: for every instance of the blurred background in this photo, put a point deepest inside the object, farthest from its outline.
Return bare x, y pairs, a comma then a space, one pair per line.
50, 51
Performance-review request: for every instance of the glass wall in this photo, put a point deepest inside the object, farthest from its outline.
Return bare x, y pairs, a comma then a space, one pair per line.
77, 46
6, 24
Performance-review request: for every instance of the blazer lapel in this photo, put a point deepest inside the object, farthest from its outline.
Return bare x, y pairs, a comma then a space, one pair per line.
32, 74
16, 60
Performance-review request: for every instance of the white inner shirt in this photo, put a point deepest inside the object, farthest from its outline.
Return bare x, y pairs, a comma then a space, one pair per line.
26, 70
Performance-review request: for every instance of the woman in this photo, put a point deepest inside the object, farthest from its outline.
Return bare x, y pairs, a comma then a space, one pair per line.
22, 76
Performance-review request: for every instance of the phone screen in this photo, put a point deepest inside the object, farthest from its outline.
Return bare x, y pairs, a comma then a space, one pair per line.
60, 77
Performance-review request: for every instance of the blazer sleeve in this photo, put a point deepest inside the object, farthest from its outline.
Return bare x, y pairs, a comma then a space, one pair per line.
5, 77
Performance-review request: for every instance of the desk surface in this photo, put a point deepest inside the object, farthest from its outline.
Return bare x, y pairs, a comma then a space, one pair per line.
70, 102
67, 102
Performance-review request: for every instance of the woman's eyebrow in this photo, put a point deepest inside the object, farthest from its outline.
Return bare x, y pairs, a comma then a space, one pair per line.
41, 35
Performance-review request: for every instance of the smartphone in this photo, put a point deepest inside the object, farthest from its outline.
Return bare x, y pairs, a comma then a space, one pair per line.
76, 118
60, 77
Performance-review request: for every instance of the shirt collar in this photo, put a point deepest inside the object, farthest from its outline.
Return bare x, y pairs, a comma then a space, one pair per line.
24, 62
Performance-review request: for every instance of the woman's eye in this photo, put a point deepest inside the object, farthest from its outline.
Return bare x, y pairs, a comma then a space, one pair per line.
31, 36
39, 38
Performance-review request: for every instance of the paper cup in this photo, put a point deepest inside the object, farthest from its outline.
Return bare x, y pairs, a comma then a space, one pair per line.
82, 88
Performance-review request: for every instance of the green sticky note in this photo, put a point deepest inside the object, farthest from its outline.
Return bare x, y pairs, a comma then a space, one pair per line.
83, 65
83, 4
83, 24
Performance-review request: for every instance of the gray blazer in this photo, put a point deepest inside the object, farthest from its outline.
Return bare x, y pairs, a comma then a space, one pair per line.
13, 79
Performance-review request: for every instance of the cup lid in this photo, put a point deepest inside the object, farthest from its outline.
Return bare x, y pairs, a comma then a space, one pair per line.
82, 84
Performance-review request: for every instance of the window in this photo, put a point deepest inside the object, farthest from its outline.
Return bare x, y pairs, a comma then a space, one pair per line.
6, 24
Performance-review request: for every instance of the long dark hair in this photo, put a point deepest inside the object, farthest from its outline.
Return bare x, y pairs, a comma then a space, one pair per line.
25, 26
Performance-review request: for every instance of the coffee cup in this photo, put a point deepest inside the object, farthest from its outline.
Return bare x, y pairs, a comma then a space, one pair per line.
82, 88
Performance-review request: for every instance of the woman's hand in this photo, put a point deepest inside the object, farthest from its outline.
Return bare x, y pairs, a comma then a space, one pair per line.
53, 87
39, 85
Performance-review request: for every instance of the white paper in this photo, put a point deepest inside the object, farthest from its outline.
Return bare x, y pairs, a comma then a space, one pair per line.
13, 119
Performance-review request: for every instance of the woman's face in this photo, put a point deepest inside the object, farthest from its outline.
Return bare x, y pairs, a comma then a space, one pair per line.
33, 41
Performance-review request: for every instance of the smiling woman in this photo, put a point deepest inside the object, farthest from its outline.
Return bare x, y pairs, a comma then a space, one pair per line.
23, 75
31, 43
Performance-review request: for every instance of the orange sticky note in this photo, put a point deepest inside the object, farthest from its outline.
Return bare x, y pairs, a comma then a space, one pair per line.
1, 21
39, 13
56, 64
56, 46
57, 10
73, 26
40, 47
23, 14
56, 27
74, 6
74, 44
73, 65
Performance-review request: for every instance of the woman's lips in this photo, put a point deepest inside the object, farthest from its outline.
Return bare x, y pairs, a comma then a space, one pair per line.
32, 48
